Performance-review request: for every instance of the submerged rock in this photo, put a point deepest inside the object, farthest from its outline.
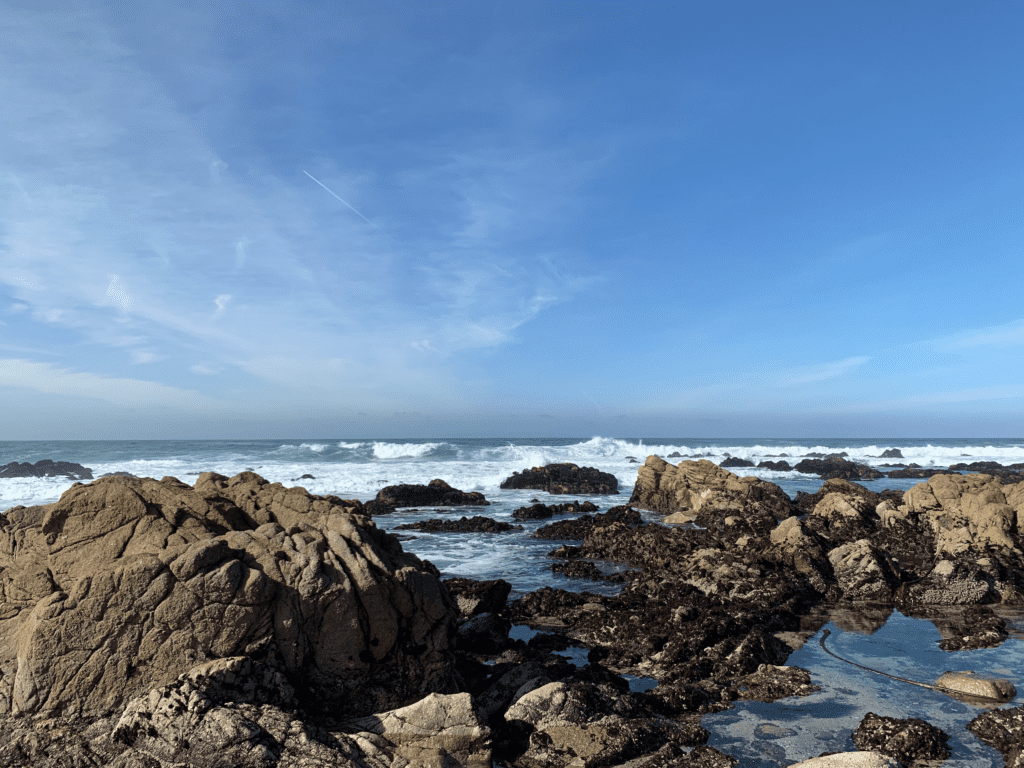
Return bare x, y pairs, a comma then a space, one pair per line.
563, 479
545, 511
1004, 730
475, 524
972, 684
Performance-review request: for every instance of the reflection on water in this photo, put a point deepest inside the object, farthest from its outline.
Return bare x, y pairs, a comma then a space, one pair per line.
768, 735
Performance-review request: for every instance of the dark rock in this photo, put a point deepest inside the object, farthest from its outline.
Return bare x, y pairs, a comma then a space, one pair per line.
584, 569
1011, 472
46, 468
918, 473
483, 633
577, 528
907, 740
437, 493
475, 524
1002, 729
118, 474
837, 467
563, 479
303, 477
475, 597
735, 461
778, 466
892, 453
545, 511
675, 455
771, 683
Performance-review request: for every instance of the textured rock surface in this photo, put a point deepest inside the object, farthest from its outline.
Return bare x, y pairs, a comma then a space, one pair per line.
563, 479
907, 740
124, 583
850, 760
972, 684
475, 524
1004, 730
702, 485
837, 467
436, 493
545, 511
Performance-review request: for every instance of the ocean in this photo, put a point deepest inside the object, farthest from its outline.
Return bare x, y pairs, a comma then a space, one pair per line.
763, 735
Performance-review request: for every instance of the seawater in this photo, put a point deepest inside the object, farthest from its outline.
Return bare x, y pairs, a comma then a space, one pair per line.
761, 735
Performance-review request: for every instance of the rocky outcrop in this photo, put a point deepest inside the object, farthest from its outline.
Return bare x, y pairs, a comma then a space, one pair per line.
907, 740
563, 479
577, 528
891, 453
736, 461
918, 473
837, 467
777, 466
547, 511
124, 584
475, 524
46, 468
436, 493
863, 573
701, 486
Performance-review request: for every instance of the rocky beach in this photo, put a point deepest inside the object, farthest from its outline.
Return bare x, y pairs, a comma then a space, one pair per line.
674, 613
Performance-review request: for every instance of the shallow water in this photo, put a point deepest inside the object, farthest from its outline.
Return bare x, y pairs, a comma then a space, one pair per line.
780, 733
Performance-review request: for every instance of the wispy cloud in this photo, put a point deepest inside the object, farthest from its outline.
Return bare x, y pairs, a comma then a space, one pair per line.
1008, 335
822, 371
47, 378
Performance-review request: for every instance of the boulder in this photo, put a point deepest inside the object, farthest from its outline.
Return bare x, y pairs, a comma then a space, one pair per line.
892, 453
124, 584
437, 493
777, 466
563, 479
736, 461
906, 739
969, 512
970, 683
864, 573
475, 597
46, 468
696, 486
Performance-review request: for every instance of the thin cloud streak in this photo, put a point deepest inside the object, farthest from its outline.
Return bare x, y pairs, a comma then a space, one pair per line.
824, 371
357, 213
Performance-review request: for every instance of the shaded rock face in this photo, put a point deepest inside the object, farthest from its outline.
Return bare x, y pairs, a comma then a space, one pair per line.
736, 461
564, 479
778, 466
437, 493
892, 453
122, 584
907, 740
46, 468
578, 527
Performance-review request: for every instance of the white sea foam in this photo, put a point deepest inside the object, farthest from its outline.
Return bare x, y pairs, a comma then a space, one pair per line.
383, 450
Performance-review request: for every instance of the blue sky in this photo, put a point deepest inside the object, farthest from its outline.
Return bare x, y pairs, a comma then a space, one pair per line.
261, 219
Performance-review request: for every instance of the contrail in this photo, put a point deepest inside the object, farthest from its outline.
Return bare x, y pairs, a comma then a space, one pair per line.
336, 197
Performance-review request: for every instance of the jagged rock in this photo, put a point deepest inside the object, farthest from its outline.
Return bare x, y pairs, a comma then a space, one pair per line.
437, 493
863, 573
124, 583
970, 628
475, 524
802, 549
808, 501
584, 569
46, 468
771, 683
563, 479
736, 461
703, 486
892, 453
835, 467
475, 597
545, 511
1004, 730
907, 740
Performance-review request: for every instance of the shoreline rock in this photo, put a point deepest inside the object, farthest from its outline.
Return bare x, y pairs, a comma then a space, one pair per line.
46, 468
564, 479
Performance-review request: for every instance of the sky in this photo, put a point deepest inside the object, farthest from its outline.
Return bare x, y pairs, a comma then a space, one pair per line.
354, 219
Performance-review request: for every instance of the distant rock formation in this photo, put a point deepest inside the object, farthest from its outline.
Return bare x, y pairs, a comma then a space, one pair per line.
475, 524
546, 511
563, 479
46, 468
437, 493
837, 467
736, 461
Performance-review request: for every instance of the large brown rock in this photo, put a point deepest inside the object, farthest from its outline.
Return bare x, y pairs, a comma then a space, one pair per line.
124, 584
696, 486
969, 512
